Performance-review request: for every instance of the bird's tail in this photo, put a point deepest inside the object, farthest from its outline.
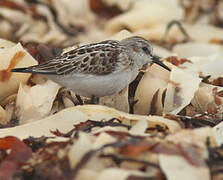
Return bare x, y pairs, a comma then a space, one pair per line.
37, 69
22, 70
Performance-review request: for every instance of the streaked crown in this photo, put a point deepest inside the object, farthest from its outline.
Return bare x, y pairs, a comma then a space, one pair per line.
138, 49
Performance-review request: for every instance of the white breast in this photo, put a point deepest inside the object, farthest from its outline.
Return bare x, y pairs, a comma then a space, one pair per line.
99, 86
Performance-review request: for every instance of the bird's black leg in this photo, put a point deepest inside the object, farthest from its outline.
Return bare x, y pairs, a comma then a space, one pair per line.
94, 100
79, 99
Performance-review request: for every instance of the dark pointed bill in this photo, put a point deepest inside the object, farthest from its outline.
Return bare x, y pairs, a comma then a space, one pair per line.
156, 59
21, 70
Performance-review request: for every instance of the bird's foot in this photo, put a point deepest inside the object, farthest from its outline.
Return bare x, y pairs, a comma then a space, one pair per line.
79, 99
94, 100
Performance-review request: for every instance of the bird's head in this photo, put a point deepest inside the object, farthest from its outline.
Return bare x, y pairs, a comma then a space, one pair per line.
141, 51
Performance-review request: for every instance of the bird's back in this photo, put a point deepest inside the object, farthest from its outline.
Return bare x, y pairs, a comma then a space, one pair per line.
97, 59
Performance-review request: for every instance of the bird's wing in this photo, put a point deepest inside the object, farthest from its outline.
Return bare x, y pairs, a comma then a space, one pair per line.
45, 68
96, 59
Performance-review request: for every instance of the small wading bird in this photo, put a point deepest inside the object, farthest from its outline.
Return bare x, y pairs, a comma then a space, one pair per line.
99, 69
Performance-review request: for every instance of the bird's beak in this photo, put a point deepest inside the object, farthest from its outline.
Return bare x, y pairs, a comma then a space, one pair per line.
156, 59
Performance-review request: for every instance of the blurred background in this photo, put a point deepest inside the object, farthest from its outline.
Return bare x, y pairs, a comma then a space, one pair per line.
62, 23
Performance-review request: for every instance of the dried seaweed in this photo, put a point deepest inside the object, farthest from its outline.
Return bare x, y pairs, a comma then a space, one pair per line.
35, 143
176, 61
194, 122
60, 134
137, 147
198, 122
90, 124
158, 129
17, 157
132, 89
153, 103
54, 168
195, 10
11, 123
30, 9
45, 158
89, 155
67, 30
122, 135
215, 159
102, 10
129, 148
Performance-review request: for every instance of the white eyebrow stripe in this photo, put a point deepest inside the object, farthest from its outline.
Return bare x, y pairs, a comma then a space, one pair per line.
103, 45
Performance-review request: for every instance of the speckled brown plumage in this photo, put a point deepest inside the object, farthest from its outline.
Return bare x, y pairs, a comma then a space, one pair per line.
99, 69
98, 59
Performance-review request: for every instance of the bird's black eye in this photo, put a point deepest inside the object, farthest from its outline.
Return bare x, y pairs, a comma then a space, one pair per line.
146, 50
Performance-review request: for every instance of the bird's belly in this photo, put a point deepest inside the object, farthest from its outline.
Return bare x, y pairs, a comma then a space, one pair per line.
98, 86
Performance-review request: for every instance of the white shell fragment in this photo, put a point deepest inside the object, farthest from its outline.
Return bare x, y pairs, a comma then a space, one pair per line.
152, 85
155, 74
114, 101
176, 167
197, 32
85, 174
206, 99
161, 52
218, 132
153, 12
35, 102
139, 128
103, 112
214, 67
68, 9
65, 119
6, 44
120, 35
197, 49
13, 57
180, 90
120, 174
201, 34
203, 65
198, 135
103, 139
82, 146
